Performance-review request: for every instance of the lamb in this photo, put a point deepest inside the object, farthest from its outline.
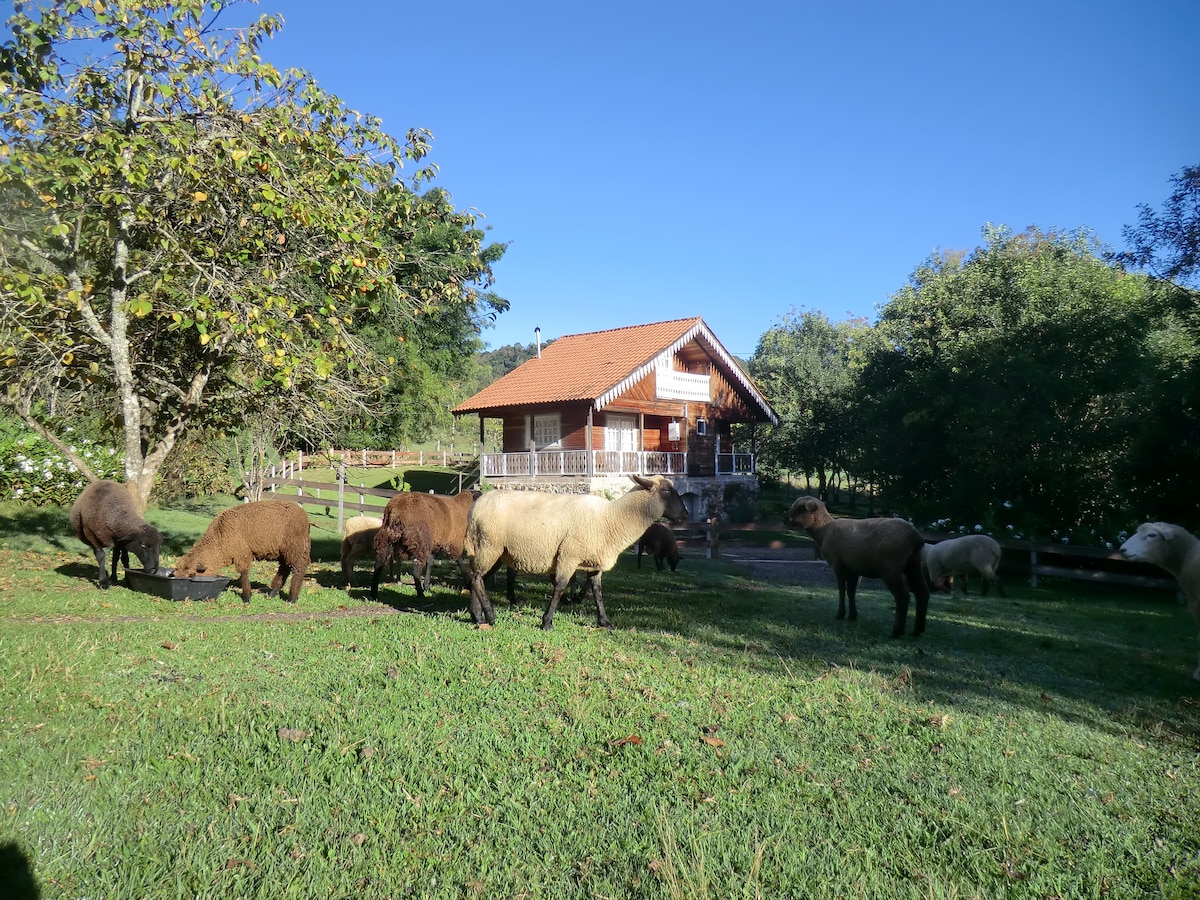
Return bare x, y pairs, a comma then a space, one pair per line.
358, 539
416, 526
659, 541
1175, 549
557, 534
104, 516
889, 549
972, 553
264, 529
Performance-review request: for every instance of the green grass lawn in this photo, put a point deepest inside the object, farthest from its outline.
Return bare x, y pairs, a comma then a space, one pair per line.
728, 739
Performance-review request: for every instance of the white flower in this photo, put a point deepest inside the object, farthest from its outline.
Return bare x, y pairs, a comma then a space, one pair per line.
1008, 504
979, 528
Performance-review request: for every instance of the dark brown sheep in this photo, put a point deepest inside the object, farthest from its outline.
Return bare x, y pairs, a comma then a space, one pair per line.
104, 516
416, 526
659, 541
888, 549
265, 529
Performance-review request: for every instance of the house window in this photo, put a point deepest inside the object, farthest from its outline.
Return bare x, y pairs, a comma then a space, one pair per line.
620, 433
701, 426
547, 430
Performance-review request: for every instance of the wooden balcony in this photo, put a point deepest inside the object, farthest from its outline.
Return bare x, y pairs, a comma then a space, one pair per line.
602, 463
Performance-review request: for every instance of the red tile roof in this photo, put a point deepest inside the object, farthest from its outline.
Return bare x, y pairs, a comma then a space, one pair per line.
600, 365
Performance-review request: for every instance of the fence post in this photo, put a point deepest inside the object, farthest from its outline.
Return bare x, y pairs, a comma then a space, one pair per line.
714, 539
1033, 568
341, 480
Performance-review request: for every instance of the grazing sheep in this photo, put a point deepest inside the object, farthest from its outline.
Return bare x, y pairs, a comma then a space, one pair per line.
972, 553
659, 541
358, 539
264, 529
888, 549
556, 534
416, 526
1175, 549
104, 516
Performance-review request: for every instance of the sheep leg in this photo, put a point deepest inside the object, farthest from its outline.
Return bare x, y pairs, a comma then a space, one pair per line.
347, 568
922, 608
117, 552
297, 582
420, 586
281, 575
421, 582
102, 562
481, 607
658, 562
899, 590
511, 584
594, 587
244, 582
847, 586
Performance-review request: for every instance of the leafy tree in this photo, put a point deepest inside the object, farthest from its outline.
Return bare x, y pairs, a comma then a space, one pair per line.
1167, 244
1160, 468
1001, 384
805, 366
191, 237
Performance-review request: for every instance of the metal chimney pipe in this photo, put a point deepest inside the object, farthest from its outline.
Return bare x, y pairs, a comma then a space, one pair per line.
537, 334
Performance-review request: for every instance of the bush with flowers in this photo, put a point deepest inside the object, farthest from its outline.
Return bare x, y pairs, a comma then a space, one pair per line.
34, 471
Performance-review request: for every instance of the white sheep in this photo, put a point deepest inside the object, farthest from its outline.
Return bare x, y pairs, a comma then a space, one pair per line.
1175, 549
557, 534
966, 555
889, 549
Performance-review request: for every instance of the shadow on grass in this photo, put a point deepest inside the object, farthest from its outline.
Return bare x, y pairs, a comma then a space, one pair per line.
1117, 660
31, 527
16, 873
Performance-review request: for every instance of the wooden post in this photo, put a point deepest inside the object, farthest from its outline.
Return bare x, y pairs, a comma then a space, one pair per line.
714, 539
1033, 568
341, 480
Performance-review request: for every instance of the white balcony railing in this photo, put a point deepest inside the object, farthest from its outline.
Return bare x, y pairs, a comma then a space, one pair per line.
672, 385
575, 463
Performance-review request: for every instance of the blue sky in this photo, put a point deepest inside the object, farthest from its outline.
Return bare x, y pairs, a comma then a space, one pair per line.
651, 160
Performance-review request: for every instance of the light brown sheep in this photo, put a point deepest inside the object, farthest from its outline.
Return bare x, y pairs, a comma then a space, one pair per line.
264, 529
1175, 549
416, 526
104, 516
358, 539
559, 534
889, 549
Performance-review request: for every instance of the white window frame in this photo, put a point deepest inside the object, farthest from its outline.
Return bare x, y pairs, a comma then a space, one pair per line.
545, 426
616, 427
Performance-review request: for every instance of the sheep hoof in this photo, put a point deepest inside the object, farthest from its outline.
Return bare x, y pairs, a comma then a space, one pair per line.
841, 614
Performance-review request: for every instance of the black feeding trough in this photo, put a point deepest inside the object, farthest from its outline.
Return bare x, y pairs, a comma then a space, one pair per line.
165, 584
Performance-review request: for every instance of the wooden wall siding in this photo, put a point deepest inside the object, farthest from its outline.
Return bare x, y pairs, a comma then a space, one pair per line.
573, 428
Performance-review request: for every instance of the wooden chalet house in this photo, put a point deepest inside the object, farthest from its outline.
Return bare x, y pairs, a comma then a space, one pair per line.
591, 409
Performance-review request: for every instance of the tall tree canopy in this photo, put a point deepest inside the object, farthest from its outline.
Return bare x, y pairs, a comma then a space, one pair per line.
1002, 385
1167, 244
188, 235
805, 365
1161, 469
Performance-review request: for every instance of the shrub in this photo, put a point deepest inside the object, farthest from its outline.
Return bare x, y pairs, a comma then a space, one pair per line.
33, 471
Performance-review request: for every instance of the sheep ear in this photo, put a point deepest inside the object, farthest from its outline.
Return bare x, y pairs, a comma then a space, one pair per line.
1167, 531
643, 482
